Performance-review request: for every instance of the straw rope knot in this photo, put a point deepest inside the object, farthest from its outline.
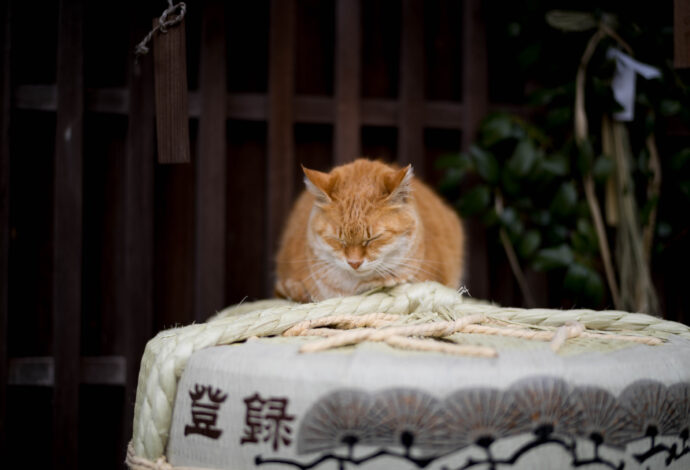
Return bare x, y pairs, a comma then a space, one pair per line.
171, 16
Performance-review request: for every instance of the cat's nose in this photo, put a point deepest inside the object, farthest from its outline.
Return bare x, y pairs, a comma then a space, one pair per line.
355, 263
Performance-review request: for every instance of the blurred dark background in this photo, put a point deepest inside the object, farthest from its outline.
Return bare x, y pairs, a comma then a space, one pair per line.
102, 246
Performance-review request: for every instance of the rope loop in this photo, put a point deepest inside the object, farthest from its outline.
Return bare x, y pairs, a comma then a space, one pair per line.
167, 19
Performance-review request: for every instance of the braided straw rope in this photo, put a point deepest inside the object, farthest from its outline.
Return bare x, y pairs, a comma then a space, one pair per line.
379, 327
166, 354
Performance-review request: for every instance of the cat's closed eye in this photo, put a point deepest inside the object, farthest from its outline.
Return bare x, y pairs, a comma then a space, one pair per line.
369, 240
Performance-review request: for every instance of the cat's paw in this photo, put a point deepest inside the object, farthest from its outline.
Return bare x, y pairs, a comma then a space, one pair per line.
293, 290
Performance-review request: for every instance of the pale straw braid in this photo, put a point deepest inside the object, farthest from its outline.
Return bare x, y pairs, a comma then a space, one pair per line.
166, 354
397, 335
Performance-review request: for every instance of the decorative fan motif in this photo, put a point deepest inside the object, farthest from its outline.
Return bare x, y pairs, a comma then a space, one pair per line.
481, 416
650, 409
343, 418
604, 421
412, 425
544, 405
679, 395
412, 419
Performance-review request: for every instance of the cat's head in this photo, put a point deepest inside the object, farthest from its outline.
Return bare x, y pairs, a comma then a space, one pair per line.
363, 221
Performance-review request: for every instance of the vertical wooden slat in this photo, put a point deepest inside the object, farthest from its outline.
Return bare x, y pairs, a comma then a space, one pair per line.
410, 129
67, 233
136, 253
348, 41
475, 92
281, 159
475, 101
172, 107
5, 97
211, 195
681, 34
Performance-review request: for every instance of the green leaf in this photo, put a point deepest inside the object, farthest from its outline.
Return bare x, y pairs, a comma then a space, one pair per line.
555, 165
529, 55
585, 156
594, 287
485, 163
551, 258
475, 200
586, 229
490, 218
523, 158
602, 169
510, 220
576, 278
510, 184
559, 117
565, 200
664, 229
647, 209
529, 243
496, 127
508, 216
680, 159
579, 243
670, 107
449, 160
541, 217
684, 187
557, 234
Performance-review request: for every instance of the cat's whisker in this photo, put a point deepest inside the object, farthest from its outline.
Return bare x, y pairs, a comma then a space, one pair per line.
422, 260
323, 271
431, 271
295, 261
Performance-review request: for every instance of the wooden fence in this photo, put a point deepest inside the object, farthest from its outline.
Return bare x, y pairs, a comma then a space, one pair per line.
101, 247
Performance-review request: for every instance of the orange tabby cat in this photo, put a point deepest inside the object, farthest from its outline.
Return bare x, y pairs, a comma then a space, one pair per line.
366, 225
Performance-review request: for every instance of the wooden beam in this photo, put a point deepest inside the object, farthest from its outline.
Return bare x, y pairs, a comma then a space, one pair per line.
211, 194
254, 107
347, 141
67, 232
313, 109
36, 97
136, 250
247, 106
681, 34
5, 103
281, 157
410, 128
475, 101
94, 370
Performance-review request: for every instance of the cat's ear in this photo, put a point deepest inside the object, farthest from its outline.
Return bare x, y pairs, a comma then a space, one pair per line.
397, 184
319, 184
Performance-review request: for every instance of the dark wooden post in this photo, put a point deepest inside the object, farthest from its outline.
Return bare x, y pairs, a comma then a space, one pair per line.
475, 101
347, 145
136, 250
5, 99
67, 233
211, 194
281, 158
411, 119
681, 34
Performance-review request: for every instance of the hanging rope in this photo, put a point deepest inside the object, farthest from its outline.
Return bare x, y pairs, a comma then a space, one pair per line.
171, 16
